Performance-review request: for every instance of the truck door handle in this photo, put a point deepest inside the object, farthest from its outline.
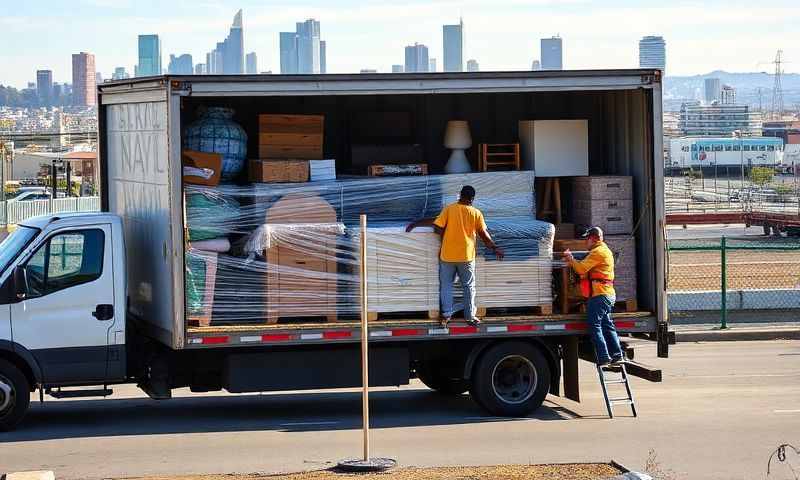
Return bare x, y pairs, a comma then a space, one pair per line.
104, 312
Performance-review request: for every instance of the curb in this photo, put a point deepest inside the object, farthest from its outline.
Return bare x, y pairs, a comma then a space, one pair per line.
33, 475
734, 335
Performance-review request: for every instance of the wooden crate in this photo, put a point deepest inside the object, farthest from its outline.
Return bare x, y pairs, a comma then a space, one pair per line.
277, 171
290, 136
403, 170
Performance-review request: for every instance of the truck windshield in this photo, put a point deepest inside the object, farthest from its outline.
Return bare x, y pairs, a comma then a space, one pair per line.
14, 243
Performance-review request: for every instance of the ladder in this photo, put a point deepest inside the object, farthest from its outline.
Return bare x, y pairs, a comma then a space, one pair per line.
613, 380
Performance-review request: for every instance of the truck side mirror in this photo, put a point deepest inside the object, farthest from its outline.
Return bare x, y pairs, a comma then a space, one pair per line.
20, 283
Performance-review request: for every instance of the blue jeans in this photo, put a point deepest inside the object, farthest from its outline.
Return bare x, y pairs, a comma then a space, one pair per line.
602, 330
447, 275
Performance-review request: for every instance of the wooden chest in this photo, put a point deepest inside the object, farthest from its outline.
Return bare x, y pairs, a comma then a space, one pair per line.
290, 136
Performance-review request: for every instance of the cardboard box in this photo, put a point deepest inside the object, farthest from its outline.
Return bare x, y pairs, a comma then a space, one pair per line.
203, 168
277, 171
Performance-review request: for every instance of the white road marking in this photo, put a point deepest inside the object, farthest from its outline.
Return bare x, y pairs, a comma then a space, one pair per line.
786, 411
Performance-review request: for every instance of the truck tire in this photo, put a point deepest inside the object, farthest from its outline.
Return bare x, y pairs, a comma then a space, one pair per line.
441, 383
15, 396
511, 379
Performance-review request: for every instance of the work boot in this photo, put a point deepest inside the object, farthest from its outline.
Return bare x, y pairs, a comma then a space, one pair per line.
474, 321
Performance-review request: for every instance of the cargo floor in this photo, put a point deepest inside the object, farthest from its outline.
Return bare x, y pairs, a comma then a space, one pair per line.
400, 322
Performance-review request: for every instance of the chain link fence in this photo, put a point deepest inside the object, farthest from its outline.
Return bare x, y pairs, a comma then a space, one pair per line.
729, 280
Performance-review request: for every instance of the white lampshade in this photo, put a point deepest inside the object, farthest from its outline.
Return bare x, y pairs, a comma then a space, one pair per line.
457, 134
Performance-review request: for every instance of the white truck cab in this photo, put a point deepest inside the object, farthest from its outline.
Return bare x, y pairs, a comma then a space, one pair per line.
62, 307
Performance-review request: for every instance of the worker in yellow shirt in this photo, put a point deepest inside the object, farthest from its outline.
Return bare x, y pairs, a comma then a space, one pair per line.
597, 284
459, 224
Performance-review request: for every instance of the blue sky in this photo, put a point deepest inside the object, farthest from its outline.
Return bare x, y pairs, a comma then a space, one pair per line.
500, 34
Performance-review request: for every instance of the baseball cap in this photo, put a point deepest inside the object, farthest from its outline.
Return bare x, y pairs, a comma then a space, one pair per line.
593, 231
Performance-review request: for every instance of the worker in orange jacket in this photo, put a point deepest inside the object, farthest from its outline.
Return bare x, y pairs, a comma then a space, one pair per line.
597, 284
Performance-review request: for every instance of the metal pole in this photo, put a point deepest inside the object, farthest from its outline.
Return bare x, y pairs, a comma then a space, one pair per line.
723, 284
364, 338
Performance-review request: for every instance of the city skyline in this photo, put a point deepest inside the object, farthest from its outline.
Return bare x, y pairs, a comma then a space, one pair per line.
491, 34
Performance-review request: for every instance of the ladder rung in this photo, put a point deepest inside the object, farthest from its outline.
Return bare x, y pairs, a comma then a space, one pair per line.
501, 154
620, 401
611, 382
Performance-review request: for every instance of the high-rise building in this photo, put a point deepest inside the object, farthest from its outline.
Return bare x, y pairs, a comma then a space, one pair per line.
84, 88
431, 64
120, 74
302, 51
233, 48
44, 87
552, 53
397, 69
180, 65
149, 56
200, 69
214, 59
251, 63
728, 95
719, 120
323, 57
472, 66
652, 53
712, 89
536, 65
416, 58
453, 41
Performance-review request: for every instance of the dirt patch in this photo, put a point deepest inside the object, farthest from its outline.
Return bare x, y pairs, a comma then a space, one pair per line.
696, 271
570, 471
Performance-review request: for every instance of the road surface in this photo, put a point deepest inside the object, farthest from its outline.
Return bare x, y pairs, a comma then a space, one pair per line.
720, 412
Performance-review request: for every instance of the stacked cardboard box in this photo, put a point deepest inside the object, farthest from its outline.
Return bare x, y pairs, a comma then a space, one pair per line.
604, 201
286, 143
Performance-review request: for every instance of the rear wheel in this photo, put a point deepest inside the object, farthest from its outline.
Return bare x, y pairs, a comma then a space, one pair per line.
511, 379
441, 382
15, 395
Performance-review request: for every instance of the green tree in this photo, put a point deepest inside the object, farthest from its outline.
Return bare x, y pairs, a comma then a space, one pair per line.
761, 175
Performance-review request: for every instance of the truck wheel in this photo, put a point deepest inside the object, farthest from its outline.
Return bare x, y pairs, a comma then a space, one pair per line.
14, 396
442, 383
511, 379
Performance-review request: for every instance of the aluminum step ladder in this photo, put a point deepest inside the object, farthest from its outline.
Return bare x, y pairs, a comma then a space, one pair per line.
605, 381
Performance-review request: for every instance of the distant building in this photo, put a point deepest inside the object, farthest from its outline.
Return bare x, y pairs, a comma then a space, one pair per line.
368, 70
84, 88
228, 56
180, 65
251, 63
149, 56
44, 87
472, 66
302, 51
397, 69
120, 74
788, 130
453, 42
98, 78
214, 63
712, 90
536, 65
416, 58
652, 53
552, 53
727, 95
719, 120
431, 64
200, 69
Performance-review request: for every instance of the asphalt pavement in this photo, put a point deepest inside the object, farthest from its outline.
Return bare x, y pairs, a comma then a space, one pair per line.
719, 413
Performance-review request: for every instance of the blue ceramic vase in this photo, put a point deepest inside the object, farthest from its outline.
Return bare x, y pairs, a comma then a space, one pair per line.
216, 132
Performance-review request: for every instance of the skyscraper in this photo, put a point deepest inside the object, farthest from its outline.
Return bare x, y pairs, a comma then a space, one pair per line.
200, 69
251, 63
397, 69
472, 66
323, 57
453, 41
431, 64
302, 51
551, 53
214, 59
713, 89
149, 56
233, 48
416, 58
84, 88
652, 53
44, 87
120, 74
180, 65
